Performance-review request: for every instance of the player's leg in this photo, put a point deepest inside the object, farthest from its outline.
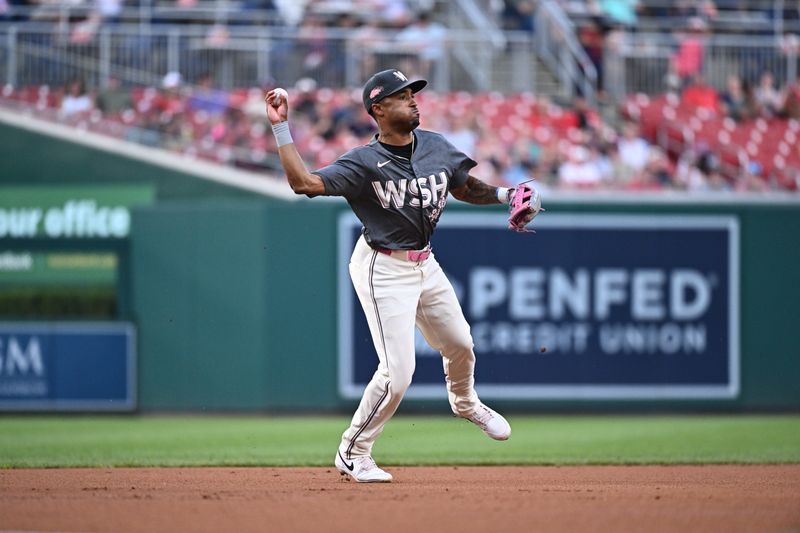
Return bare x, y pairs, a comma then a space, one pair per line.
388, 290
442, 323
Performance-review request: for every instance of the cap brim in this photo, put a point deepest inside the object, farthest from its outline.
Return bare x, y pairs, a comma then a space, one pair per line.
415, 86
418, 85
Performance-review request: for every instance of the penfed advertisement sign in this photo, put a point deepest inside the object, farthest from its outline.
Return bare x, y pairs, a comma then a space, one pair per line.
67, 367
590, 307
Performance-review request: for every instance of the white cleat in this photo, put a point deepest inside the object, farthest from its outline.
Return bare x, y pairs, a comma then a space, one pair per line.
491, 422
363, 469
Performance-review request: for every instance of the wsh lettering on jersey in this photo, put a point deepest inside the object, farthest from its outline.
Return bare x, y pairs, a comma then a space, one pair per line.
405, 192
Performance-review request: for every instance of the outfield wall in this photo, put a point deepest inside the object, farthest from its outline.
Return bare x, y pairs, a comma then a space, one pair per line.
238, 307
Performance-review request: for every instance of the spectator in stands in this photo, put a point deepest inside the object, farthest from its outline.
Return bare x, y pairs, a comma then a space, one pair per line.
791, 14
350, 118
251, 102
460, 130
146, 127
790, 107
110, 11
521, 170
704, 9
10, 12
114, 98
603, 155
425, 39
620, 175
790, 48
304, 102
634, 151
717, 182
174, 131
708, 10
616, 42
768, 98
579, 171
525, 154
261, 11
698, 170
170, 98
592, 38
217, 36
84, 31
517, 15
76, 100
205, 98
656, 175
621, 11
737, 100
687, 175
585, 117
362, 44
699, 94
339, 51
494, 158
688, 60
659, 169
391, 13
751, 179
549, 162
314, 43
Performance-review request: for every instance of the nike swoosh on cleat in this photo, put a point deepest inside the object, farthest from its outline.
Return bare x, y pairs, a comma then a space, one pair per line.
349, 466
381, 165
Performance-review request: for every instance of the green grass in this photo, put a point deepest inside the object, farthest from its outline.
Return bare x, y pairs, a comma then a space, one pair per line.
39, 441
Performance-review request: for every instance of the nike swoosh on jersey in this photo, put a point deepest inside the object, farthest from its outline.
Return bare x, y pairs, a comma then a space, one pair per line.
381, 165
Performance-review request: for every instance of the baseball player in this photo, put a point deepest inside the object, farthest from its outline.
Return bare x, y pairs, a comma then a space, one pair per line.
398, 185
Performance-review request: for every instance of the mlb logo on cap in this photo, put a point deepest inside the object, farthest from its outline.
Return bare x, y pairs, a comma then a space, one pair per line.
386, 83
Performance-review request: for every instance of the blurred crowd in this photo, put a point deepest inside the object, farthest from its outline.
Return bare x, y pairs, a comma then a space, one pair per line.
744, 99
514, 138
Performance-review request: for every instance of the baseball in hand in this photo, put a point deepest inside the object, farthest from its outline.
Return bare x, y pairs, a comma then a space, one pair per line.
280, 96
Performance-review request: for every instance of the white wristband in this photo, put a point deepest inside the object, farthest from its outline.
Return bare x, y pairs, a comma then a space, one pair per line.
282, 134
502, 194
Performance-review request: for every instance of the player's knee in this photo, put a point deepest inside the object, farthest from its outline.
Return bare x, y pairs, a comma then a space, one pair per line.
460, 348
400, 382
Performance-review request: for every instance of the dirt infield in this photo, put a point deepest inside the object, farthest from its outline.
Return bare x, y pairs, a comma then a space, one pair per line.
444, 499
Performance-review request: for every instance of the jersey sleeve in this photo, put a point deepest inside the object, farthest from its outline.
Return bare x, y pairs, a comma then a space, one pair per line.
460, 163
343, 177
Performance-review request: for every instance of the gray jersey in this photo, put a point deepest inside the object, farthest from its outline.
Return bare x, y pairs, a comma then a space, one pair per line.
385, 190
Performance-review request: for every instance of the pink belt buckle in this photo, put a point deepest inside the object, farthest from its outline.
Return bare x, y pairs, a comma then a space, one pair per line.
418, 256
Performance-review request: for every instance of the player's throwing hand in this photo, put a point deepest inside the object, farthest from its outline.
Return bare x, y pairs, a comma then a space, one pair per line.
277, 101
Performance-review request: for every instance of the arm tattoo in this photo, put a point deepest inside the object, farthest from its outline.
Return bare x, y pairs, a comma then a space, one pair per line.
478, 192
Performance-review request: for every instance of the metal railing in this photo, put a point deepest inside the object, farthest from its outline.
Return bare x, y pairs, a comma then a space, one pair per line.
558, 47
642, 62
246, 56
468, 15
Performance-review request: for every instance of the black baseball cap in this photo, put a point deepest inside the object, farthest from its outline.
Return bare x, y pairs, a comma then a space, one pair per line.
386, 83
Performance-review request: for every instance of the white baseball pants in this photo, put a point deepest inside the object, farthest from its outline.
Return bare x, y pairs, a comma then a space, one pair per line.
397, 295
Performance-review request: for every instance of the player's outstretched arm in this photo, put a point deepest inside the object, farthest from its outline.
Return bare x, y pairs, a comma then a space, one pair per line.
300, 179
474, 191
